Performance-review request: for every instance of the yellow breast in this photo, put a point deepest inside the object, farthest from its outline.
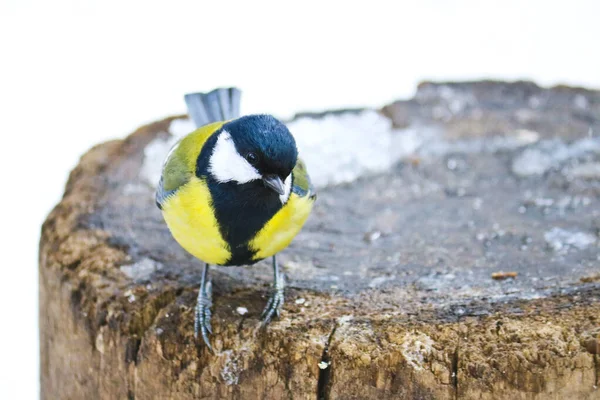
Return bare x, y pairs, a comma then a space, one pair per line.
193, 224
277, 234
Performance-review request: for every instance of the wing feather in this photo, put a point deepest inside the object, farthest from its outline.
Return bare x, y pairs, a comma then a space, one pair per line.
209, 111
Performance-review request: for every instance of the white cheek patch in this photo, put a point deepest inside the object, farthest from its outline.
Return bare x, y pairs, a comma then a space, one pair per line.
227, 165
287, 185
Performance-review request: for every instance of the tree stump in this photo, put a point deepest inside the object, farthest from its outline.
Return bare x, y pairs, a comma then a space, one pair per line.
468, 270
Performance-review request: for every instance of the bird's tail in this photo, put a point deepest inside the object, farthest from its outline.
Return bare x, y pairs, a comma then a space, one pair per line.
221, 104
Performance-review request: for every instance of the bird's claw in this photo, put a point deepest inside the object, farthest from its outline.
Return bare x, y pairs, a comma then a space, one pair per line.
275, 303
203, 314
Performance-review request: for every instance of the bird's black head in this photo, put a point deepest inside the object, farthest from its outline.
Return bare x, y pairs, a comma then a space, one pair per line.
265, 143
253, 148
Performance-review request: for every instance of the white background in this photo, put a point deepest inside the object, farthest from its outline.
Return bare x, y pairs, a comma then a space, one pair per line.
75, 73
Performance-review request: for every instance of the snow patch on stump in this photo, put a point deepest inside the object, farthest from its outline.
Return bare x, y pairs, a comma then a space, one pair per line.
337, 148
561, 240
551, 154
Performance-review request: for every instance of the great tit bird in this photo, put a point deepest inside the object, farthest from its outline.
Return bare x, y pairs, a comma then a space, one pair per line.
233, 192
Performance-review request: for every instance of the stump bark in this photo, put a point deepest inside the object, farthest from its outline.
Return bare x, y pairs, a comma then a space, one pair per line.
391, 292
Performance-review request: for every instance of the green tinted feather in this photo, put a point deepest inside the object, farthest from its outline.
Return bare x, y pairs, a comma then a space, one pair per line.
180, 165
176, 172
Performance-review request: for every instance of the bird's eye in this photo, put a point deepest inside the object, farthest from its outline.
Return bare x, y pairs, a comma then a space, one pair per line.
252, 158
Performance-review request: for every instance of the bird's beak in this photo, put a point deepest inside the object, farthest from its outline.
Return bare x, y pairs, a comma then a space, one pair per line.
273, 182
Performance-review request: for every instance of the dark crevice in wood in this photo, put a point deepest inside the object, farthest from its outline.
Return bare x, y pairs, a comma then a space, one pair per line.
131, 350
454, 371
138, 332
240, 327
288, 371
323, 384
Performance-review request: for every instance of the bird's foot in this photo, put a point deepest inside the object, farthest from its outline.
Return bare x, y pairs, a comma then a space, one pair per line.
202, 314
275, 302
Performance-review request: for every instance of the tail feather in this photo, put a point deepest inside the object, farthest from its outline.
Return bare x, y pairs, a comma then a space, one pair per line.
235, 97
218, 105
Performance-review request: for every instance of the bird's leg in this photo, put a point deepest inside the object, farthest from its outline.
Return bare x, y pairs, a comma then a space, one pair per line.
276, 299
202, 312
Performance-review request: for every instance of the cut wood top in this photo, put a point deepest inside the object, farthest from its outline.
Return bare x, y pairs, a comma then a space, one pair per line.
430, 232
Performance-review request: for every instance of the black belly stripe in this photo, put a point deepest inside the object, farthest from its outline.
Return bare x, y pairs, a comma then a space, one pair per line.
242, 210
